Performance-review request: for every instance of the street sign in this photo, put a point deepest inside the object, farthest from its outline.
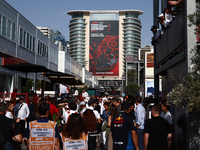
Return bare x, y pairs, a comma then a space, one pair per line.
110, 83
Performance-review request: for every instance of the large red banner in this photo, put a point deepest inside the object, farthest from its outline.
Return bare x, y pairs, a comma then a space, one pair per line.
104, 48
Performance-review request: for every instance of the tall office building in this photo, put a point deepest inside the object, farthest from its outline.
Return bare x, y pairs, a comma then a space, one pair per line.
49, 32
101, 40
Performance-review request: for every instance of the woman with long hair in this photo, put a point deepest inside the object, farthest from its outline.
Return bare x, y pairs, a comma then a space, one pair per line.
90, 123
9, 112
113, 112
74, 136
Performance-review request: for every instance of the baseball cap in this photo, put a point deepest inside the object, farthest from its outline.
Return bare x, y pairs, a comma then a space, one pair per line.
82, 103
90, 102
21, 98
87, 99
160, 15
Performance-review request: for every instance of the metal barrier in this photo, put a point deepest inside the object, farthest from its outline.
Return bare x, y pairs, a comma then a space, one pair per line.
4, 97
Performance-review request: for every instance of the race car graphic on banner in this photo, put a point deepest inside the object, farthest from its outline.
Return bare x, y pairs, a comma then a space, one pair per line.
104, 48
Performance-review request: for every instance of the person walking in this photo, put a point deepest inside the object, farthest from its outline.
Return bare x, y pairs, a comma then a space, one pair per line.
43, 133
74, 135
22, 113
140, 119
121, 125
157, 131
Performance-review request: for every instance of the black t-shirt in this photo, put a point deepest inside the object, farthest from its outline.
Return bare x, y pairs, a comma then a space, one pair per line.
120, 126
7, 128
158, 129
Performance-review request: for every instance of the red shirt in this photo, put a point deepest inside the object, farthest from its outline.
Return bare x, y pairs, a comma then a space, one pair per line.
53, 109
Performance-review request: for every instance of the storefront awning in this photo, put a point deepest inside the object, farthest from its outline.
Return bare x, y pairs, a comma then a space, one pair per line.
27, 67
59, 77
2, 54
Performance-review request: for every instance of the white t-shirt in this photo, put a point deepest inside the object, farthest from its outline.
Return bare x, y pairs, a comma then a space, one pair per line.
67, 114
85, 94
169, 117
168, 17
9, 115
76, 93
23, 112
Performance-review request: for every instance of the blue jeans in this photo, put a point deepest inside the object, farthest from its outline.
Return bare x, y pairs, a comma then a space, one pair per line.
140, 138
9, 146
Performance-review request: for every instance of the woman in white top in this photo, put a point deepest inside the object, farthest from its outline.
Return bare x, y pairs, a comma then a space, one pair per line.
10, 107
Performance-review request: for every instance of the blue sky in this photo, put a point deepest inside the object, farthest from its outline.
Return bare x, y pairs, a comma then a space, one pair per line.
53, 13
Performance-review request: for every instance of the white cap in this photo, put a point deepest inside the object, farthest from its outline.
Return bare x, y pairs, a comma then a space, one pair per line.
160, 15
82, 103
87, 99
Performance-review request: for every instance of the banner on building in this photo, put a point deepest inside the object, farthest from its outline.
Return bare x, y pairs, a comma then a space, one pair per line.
150, 60
104, 48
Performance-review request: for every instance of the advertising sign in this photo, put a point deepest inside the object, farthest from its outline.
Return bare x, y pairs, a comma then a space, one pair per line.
150, 60
110, 83
104, 48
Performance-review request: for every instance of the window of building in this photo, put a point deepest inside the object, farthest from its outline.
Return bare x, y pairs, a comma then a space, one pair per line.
24, 39
30, 42
42, 49
104, 16
13, 31
33, 44
4, 26
38, 47
77, 15
21, 36
8, 29
131, 15
0, 23
27, 41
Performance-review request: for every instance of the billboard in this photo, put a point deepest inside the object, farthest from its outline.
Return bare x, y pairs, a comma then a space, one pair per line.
104, 48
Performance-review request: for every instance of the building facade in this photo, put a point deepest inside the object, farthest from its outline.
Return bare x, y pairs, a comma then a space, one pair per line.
22, 40
101, 40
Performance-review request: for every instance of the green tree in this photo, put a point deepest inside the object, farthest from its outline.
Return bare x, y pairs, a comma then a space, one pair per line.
28, 86
132, 89
132, 76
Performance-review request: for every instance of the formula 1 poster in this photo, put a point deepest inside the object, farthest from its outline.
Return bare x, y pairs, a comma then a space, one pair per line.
104, 48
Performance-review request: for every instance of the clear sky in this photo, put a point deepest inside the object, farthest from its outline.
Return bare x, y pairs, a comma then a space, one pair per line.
53, 13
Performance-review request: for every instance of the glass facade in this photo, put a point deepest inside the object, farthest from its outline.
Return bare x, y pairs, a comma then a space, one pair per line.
104, 16
132, 34
77, 38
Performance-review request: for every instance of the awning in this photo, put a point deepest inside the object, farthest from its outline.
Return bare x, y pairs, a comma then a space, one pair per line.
27, 67
2, 54
59, 77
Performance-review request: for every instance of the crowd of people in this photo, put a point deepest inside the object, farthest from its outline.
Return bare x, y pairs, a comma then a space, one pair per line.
88, 123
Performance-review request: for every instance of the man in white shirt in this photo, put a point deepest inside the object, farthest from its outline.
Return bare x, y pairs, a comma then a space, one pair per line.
84, 94
167, 115
75, 92
140, 119
72, 110
22, 113
63, 91
91, 103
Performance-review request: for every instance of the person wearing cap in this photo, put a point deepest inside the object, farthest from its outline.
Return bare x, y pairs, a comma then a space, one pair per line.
22, 112
72, 110
82, 107
91, 103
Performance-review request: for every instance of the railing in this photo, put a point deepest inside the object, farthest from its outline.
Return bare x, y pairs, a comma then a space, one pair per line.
4, 97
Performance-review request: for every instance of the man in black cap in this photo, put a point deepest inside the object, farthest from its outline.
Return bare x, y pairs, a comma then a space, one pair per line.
91, 103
